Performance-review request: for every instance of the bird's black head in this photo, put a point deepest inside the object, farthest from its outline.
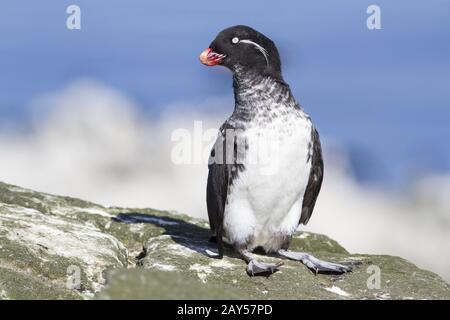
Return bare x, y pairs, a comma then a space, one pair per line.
241, 48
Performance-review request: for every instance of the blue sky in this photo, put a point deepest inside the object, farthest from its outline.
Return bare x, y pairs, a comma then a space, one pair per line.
384, 93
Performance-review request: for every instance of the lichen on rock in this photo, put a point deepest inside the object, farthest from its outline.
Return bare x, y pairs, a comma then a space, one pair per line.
151, 254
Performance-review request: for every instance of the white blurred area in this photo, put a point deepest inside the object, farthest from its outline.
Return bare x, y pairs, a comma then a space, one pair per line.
90, 141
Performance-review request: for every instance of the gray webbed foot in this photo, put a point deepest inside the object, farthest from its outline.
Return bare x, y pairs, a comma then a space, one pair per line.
314, 264
256, 268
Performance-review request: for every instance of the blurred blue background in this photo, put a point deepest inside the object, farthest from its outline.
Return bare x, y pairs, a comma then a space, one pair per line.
90, 113
384, 93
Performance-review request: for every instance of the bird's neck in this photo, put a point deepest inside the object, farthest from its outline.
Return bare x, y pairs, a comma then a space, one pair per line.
253, 92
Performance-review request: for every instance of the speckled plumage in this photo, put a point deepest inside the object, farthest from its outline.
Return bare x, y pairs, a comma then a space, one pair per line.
264, 208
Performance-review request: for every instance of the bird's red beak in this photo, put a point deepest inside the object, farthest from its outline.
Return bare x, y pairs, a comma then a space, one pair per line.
210, 58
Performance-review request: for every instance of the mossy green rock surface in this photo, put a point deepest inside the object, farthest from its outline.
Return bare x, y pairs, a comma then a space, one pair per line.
55, 247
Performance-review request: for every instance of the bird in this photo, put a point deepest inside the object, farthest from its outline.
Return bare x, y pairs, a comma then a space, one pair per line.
266, 165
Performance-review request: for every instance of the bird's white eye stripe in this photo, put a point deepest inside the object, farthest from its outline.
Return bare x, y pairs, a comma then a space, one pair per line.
235, 40
259, 48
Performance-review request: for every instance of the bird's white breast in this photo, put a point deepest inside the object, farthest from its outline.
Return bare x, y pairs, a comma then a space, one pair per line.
265, 198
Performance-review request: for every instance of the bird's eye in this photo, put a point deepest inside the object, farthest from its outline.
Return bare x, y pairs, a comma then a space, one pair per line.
235, 40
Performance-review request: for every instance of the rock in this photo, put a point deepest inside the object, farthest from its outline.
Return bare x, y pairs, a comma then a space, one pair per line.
47, 240
44, 238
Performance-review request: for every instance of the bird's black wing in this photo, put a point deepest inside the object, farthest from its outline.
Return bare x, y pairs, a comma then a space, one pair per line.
315, 178
222, 172
216, 193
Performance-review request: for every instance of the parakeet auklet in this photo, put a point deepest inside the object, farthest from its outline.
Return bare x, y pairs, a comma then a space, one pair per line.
266, 167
